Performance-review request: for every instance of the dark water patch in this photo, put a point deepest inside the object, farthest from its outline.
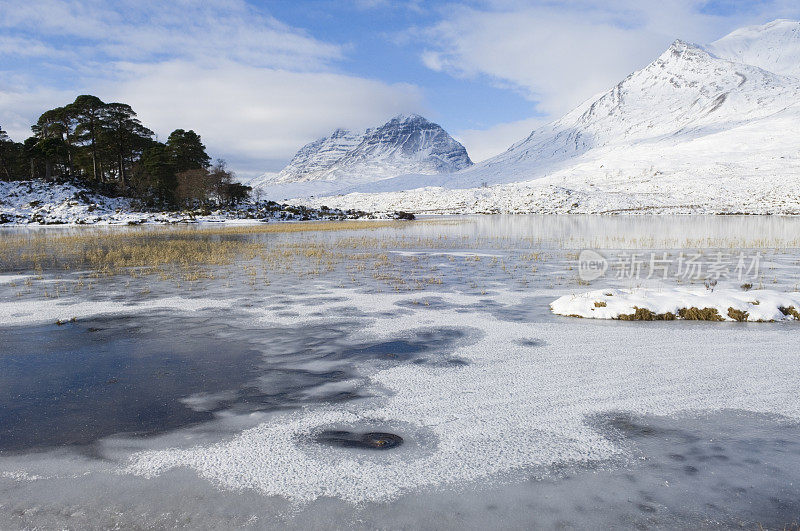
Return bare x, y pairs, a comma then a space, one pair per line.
71, 385
74, 384
367, 441
425, 346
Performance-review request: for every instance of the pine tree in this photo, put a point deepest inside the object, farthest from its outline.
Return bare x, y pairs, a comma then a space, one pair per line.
53, 132
125, 137
157, 170
88, 112
7, 156
98, 143
188, 151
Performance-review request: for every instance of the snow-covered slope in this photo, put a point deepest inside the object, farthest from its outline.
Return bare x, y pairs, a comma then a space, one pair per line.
407, 144
774, 47
315, 160
698, 129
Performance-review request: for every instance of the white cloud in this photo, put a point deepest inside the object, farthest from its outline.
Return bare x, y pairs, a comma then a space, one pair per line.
258, 113
558, 54
20, 108
152, 30
254, 88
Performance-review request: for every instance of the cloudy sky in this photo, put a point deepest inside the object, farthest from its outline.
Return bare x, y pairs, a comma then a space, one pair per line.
257, 78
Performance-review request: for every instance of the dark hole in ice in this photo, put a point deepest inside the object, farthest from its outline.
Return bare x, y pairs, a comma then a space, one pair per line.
374, 440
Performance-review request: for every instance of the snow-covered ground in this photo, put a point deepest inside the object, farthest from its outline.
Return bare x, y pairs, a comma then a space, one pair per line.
40, 202
730, 305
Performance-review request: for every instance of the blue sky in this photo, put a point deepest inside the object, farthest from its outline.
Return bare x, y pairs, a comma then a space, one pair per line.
259, 78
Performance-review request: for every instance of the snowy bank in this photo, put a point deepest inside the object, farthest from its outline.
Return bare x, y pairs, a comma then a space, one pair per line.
46, 203
681, 303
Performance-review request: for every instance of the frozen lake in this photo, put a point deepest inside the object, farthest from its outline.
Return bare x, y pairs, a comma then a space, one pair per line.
391, 375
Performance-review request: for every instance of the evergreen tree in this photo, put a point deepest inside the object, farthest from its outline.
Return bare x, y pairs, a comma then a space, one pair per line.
88, 112
101, 143
53, 132
156, 172
10, 153
125, 137
31, 154
188, 151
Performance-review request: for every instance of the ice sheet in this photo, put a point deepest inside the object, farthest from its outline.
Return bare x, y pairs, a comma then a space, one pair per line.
511, 406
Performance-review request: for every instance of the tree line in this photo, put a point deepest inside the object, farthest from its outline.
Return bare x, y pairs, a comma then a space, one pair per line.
105, 147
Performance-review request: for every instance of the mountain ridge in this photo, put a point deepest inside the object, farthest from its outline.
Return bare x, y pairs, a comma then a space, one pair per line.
696, 128
407, 143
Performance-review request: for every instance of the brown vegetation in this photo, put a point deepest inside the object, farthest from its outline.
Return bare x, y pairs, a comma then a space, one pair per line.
790, 311
698, 314
738, 315
643, 314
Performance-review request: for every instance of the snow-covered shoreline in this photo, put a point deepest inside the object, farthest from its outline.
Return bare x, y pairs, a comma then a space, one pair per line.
26, 203
38, 203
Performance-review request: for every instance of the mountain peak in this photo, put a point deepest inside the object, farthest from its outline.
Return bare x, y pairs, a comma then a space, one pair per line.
406, 144
339, 133
774, 46
407, 117
688, 92
681, 48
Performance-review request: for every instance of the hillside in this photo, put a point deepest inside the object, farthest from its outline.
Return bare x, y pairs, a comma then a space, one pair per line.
691, 132
406, 144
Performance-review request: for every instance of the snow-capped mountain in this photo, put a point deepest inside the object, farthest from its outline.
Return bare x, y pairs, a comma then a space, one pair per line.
698, 129
685, 94
406, 144
315, 160
774, 47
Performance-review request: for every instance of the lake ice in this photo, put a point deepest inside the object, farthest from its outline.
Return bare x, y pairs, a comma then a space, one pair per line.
169, 398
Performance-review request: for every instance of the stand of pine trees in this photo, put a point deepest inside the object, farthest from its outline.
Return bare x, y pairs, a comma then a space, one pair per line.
105, 147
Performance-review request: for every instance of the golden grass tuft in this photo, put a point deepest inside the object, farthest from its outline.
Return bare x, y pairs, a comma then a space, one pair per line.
688, 314
698, 314
738, 315
643, 314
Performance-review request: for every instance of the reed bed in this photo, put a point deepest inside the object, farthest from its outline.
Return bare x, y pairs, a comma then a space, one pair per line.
361, 252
